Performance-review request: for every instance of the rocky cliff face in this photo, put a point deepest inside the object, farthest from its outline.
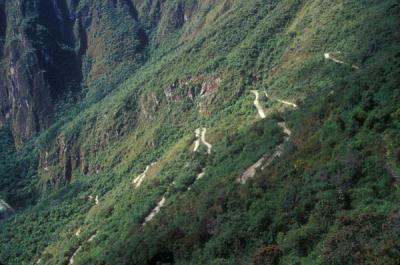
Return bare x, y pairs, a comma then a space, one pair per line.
39, 64
182, 99
49, 48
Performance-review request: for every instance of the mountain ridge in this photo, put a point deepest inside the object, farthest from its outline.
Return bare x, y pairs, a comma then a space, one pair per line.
152, 72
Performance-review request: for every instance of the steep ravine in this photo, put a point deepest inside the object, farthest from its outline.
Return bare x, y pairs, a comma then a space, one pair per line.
190, 207
64, 46
46, 66
37, 69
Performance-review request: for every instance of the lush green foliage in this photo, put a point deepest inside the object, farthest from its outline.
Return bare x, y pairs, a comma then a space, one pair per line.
18, 182
331, 198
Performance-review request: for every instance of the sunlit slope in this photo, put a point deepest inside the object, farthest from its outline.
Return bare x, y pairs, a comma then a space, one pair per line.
156, 170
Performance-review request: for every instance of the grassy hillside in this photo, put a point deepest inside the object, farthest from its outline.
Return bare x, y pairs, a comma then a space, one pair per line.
331, 196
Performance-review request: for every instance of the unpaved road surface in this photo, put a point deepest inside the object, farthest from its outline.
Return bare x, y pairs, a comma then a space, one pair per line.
281, 101
155, 211
94, 198
71, 259
265, 161
203, 139
139, 179
5, 206
251, 171
279, 149
258, 105
285, 129
197, 142
201, 136
199, 176
330, 56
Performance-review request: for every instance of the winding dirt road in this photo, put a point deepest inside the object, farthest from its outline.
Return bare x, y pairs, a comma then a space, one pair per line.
197, 142
199, 176
279, 149
94, 198
72, 258
155, 211
139, 179
5, 207
282, 101
266, 160
286, 130
251, 171
329, 56
257, 104
203, 139
201, 136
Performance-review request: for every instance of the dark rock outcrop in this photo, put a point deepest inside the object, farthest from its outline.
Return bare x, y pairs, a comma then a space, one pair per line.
38, 64
49, 48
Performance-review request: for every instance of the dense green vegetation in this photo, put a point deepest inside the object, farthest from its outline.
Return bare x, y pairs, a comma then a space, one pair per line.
18, 183
332, 197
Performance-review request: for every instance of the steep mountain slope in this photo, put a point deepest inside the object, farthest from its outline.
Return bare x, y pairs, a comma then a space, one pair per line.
132, 81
